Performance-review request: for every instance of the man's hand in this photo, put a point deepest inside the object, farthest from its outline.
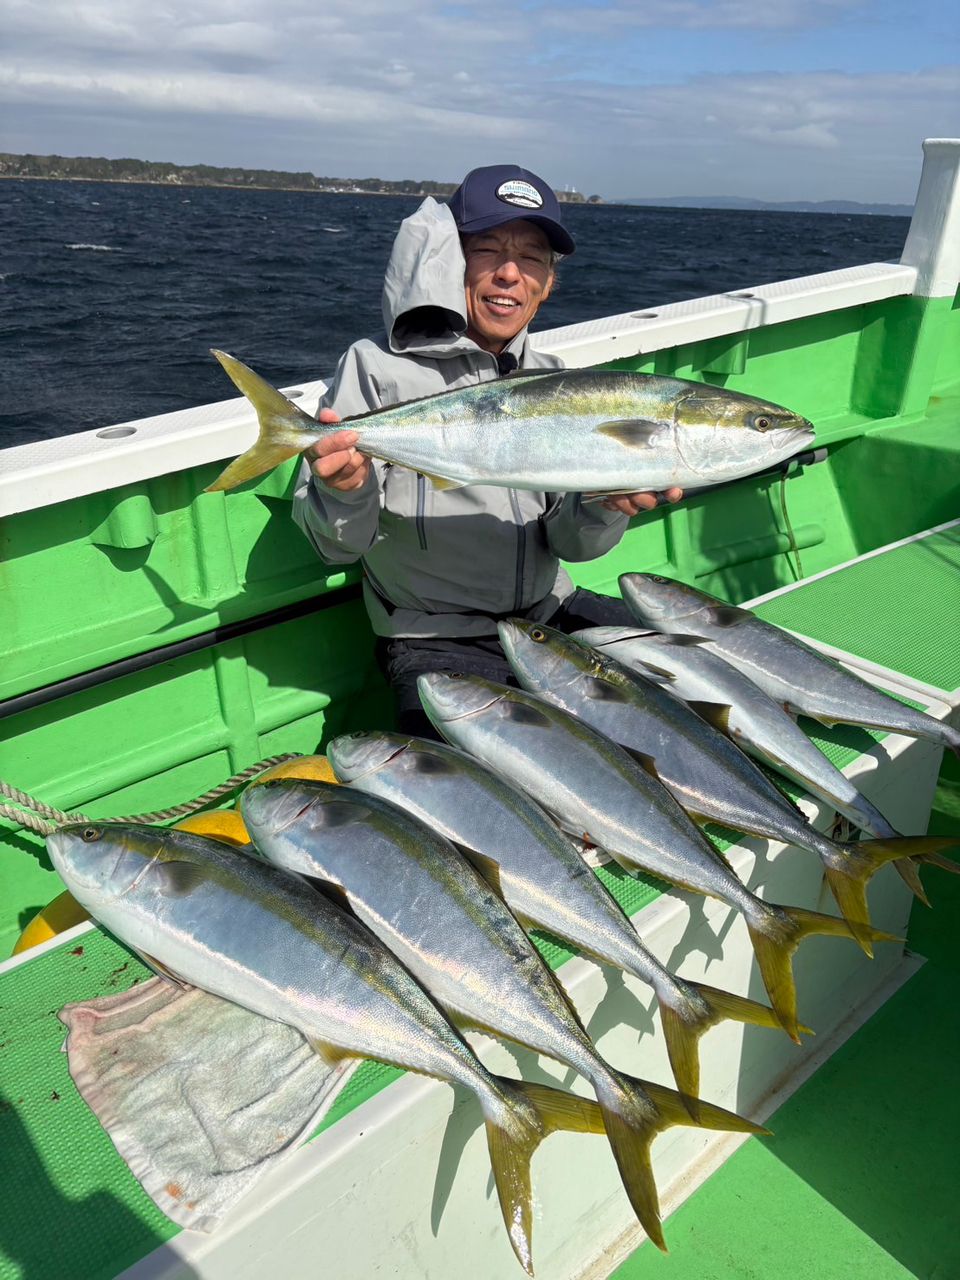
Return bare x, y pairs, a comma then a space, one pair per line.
631, 504
335, 461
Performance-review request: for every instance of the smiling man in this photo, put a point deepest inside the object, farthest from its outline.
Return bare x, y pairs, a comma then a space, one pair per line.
463, 283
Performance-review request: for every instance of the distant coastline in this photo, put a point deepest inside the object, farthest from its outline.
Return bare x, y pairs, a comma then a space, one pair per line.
163, 173
773, 206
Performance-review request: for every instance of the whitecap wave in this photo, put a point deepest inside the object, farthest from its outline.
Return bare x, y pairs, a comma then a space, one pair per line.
95, 248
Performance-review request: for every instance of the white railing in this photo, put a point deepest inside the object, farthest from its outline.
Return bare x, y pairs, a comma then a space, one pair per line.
49, 471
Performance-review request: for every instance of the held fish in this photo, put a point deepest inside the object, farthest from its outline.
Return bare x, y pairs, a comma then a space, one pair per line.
596, 790
580, 430
793, 673
703, 770
217, 919
455, 935
540, 875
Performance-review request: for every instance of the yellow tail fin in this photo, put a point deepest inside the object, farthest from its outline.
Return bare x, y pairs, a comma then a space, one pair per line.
848, 878
634, 1112
683, 1027
285, 430
511, 1150
776, 934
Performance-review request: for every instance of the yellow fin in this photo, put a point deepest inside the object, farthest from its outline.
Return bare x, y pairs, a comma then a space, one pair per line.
285, 430
442, 483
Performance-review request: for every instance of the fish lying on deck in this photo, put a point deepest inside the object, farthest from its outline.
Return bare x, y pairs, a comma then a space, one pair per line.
539, 873
795, 674
728, 699
242, 929
443, 921
702, 769
579, 430
598, 792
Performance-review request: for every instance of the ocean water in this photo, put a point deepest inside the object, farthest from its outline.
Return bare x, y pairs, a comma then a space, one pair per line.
111, 295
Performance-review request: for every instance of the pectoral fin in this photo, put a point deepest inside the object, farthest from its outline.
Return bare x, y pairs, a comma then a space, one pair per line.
635, 433
441, 483
715, 713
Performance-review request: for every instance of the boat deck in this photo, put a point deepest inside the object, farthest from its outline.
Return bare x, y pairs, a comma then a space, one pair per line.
859, 1180
856, 1179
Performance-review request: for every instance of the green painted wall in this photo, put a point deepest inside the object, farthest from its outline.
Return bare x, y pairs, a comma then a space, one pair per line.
94, 580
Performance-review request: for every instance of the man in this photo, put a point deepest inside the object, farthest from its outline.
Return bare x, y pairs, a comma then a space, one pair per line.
463, 283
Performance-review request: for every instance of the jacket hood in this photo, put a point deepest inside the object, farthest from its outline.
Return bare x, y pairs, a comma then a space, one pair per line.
424, 308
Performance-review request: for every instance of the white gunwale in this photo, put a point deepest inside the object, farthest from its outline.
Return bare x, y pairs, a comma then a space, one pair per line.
88, 462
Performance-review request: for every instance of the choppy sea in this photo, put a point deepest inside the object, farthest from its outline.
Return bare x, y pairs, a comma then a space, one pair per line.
111, 295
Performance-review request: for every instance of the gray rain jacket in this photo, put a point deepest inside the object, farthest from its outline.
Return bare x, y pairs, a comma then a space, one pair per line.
441, 563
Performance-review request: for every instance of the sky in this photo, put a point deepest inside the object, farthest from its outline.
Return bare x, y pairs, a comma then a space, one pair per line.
772, 99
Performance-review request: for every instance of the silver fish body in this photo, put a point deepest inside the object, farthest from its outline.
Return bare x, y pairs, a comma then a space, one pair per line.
589, 430
790, 671
537, 870
422, 897
596, 790
265, 939
700, 766
756, 723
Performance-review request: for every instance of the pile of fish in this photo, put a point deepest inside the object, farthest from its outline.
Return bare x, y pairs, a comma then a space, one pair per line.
574, 430
444, 854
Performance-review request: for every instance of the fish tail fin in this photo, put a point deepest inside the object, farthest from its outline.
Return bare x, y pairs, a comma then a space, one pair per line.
928, 850
684, 1022
776, 932
848, 880
285, 430
634, 1112
512, 1138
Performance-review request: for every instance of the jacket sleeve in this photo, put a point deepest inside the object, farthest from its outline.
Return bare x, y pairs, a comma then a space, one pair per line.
342, 526
578, 530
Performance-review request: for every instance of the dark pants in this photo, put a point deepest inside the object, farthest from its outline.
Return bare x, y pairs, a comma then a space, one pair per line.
402, 660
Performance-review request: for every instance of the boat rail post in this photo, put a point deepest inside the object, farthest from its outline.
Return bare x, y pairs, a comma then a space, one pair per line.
898, 353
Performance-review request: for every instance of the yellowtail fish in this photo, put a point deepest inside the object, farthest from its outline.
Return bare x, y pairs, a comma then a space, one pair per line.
729, 700
578, 430
598, 792
702, 769
456, 936
218, 919
795, 674
539, 874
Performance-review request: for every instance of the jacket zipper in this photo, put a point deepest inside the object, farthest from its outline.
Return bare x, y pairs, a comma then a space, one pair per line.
421, 511
521, 549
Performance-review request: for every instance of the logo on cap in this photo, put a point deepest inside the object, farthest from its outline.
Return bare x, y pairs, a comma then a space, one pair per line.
521, 193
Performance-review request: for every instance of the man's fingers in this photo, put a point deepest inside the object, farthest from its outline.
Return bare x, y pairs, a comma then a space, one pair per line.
631, 504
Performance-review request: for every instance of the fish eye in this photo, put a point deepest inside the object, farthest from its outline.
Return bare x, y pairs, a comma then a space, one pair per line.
90, 834
538, 634
360, 733
655, 578
762, 424
457, 675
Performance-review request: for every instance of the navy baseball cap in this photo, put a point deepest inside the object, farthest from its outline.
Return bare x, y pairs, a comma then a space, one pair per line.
500, 193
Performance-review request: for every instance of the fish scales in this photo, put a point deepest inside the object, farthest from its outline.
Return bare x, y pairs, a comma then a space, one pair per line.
790, 671
596, 790
537, 870
594, 431
256, 935
754, 720
463, 944
700, 766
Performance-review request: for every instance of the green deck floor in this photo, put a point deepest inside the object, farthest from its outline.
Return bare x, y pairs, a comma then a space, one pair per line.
861, 1176
899, 609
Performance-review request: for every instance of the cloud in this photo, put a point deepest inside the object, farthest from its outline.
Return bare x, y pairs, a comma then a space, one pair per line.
434, 86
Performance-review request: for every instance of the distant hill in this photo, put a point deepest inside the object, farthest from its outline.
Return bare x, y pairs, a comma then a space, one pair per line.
783, 206
99, 169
